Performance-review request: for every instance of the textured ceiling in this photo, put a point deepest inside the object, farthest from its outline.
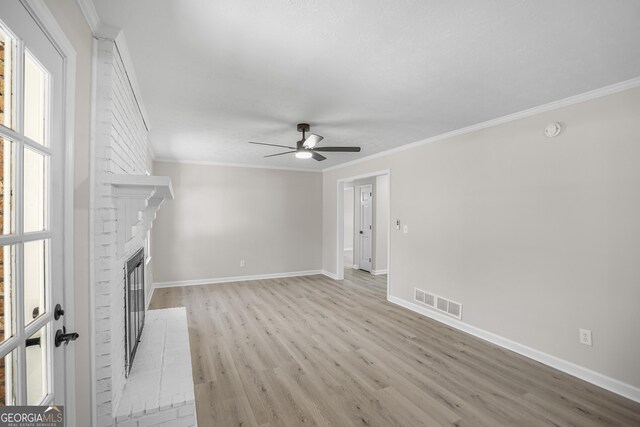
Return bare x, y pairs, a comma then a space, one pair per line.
374, 73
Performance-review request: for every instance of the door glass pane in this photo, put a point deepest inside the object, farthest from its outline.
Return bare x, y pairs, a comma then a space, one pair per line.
7, 51
7, 182
8, 378
36, 367
35, 274
34, 191
7, 292
35, 98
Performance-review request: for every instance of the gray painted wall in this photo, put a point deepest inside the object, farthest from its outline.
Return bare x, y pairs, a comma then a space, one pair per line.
272, 219
537, 237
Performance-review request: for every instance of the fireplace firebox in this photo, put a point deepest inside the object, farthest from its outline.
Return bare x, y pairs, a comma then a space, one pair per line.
134, 306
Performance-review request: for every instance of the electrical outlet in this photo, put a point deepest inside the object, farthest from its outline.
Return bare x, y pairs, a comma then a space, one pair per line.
405, 229
585, 337
242, 263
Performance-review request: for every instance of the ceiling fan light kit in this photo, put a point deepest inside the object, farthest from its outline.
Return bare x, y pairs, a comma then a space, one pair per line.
303, 154
306, 147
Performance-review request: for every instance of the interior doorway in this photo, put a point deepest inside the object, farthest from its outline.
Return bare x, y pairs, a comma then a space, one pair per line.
364, 225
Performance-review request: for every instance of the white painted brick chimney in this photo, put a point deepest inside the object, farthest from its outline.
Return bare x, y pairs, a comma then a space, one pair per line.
120, 148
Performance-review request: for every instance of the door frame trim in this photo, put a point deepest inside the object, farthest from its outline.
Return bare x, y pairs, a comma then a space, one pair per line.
340, 224
45, 19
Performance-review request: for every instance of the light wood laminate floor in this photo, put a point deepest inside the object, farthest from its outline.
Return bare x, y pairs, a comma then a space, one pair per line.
314, 351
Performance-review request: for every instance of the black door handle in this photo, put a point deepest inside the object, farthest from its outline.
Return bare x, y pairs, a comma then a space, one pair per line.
361, 232
63, 337
32, 341
58, 311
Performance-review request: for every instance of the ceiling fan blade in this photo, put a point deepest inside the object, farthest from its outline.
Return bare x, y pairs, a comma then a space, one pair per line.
280, 154
339, 149
272, 145
312, 140
318, 157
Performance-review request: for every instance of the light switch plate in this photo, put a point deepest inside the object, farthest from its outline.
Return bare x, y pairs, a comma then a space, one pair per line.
405, 229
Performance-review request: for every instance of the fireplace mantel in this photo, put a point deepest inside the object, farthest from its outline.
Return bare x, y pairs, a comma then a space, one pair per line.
144, 187
138, 199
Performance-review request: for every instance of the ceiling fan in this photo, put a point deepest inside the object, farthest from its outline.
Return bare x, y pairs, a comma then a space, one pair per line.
306, 147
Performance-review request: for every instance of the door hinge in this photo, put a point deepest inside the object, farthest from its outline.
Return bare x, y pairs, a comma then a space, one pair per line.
369, 259
369, 227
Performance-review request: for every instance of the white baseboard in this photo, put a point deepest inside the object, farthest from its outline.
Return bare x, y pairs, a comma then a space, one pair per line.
627, 390
330, 274
355, 267
348, 249
379, 272
216, 280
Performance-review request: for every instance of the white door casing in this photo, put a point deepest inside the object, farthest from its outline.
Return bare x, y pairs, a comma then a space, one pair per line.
33, 236
366, 224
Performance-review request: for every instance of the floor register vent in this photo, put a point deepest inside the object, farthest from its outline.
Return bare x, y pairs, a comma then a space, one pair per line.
439, 303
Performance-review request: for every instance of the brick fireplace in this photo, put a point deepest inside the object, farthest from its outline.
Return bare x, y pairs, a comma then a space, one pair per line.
124, 204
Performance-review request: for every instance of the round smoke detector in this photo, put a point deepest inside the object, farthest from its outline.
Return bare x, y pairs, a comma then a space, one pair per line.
553, 130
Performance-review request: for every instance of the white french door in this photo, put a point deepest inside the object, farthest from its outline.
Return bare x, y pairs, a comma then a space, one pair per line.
31, 211
366, 217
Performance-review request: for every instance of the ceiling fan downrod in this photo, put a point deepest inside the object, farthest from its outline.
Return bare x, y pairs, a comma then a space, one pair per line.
303, 127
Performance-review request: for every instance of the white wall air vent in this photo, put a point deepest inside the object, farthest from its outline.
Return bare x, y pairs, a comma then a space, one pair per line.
455, 309
439, 303
443, 304
430, 300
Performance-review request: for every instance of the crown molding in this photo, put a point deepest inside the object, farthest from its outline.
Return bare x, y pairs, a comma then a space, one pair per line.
90, 14
576, 99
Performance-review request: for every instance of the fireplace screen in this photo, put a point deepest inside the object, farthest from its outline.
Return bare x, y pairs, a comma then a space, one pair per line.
133, 306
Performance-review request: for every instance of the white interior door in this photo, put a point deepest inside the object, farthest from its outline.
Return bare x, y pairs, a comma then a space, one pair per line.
31, 211
366, 217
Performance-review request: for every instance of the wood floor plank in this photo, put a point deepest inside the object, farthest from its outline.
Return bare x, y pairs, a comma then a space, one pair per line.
314, 351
